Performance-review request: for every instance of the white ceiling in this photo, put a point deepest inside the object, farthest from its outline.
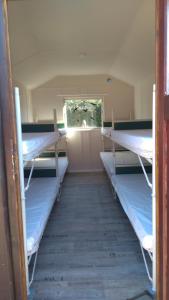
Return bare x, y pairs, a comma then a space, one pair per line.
61, 37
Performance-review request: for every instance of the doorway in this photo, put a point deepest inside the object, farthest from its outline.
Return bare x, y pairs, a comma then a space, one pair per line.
162, 139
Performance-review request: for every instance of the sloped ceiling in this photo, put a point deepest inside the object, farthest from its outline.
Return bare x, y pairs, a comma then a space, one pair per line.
75, 37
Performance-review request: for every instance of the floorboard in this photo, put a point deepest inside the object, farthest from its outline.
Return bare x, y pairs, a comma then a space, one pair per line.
89, 250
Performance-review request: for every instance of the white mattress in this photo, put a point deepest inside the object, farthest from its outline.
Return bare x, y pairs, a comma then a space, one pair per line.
46, 162
135, 197
122, 158
35, 143
138, 141
62, 131
106, 131
108, 162
39, 201
63, 165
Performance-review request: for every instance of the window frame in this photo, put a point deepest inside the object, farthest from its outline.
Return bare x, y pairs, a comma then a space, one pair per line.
82, 98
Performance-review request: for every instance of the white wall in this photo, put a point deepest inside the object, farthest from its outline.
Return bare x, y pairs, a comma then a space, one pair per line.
25, 102
143, 98
84, 146
118, 96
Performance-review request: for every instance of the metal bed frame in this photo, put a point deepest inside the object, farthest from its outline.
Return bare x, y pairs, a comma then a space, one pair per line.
23, 188
152, 186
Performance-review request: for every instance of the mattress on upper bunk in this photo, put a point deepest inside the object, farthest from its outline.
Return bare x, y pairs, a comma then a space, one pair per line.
106, 131
138, 141
62, 131
40, 198
50, 163
34, 143
135, 197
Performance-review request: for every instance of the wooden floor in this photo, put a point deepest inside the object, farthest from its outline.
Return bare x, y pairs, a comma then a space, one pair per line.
89, 250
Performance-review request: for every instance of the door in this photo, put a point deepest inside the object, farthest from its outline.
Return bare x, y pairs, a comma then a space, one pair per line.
12, 263
162, 159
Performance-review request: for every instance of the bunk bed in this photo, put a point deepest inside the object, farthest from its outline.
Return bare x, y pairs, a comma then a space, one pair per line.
136, 192
133, 192
38, 139
41, 192
38, 194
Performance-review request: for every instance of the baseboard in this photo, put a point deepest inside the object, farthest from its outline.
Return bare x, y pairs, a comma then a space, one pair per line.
86, 171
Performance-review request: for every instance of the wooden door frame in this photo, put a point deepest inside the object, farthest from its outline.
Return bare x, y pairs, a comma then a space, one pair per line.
162, 164
12, 259
12, 279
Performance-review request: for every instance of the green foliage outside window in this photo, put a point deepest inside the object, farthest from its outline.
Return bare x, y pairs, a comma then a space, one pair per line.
84, 113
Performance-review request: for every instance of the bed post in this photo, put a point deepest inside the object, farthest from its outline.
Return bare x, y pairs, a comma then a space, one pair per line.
66, 145
113, 145
102, 136
56, 153
21, 175
114, 155
154, 270
103, 120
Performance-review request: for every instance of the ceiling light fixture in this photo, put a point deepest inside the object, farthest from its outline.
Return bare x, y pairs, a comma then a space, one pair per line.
109, 80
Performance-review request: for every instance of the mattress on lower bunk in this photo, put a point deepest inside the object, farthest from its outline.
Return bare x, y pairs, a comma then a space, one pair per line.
135, 197
48, 162
40, 198
63, 165
121, 158
34, 143
138, 141
108, 162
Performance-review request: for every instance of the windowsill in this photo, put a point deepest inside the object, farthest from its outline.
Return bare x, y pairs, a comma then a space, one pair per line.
82, 129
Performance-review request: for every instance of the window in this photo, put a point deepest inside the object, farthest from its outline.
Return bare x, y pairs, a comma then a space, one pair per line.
83, 112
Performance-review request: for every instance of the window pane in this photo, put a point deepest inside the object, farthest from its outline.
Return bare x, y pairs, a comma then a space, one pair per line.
83, 113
